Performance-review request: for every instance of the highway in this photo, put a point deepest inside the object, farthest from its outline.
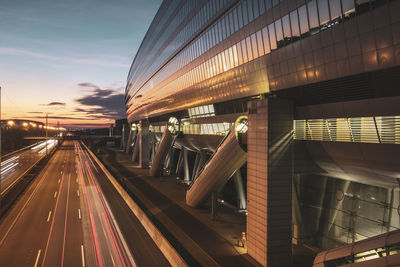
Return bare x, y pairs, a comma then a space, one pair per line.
15, 165
64, 219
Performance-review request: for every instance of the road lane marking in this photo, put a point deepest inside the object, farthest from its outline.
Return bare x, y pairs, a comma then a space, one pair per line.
58, 181
79, 213
37, 257
83, 256
66, 220
77, 191
55, 194
48, 217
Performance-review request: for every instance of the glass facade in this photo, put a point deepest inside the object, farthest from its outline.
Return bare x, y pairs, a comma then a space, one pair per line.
188, 50
355, 211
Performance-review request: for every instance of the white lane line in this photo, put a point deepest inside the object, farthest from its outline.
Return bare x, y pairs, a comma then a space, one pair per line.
37, 257
83, 256
48, 217
77, 191
55, 194
79, 213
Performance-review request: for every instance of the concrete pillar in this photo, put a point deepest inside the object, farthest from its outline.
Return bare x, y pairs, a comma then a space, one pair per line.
144, 144
186, 177
129, 141
269, 181
179, 163
161, 154
126, 132
237, 178
136, 147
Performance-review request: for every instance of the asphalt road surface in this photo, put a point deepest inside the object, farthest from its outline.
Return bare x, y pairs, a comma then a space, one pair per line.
65, 219
15, 165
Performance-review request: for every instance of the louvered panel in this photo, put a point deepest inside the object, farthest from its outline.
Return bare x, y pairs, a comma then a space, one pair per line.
384, 129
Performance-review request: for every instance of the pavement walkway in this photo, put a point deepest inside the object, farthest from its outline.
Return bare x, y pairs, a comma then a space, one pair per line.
200, 240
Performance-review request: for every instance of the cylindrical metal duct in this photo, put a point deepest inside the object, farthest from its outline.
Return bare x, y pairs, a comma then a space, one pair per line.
229, 156
164, 146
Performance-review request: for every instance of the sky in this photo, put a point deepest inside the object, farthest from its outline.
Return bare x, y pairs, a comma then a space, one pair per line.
69, 58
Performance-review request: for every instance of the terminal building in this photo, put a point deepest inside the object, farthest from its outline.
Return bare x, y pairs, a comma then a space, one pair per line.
289, 110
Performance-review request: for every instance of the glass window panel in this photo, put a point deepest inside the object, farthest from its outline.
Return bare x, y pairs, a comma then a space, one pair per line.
272, 37
294, 21
228, 59
336, 11
240, 16
348, 8
231, 23
260, 44
287, 34
256, 9
239, 52
234, 56
201, 110
210, 128
275, 2
303, 18
224, 65
313, 16
268, 5
250, 10
249, 49
261, 4
223, 27
267, 49
279, 33
215, 128
235, 19
254, 45
323, 11
245, 14
362, 6
244, 51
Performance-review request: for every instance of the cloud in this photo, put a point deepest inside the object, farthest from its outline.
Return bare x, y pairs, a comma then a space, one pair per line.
109, 61
57, 104
89, 85
102, 103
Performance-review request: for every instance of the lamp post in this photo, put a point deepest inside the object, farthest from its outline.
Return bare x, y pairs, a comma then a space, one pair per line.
46, 133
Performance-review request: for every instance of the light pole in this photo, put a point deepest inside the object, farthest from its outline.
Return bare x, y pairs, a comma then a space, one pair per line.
46, 133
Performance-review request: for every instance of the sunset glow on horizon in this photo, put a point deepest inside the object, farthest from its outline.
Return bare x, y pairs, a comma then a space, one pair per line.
61, 60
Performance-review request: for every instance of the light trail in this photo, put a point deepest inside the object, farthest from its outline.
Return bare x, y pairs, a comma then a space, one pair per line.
106, 229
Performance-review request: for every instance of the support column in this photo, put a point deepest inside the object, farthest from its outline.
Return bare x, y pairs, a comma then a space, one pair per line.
269, 181
164, 147
144, 144
186, 178
237, 176
129, 142
136, 145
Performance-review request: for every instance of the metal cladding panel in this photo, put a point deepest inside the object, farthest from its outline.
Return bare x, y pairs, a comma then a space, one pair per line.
236, 83
225, 59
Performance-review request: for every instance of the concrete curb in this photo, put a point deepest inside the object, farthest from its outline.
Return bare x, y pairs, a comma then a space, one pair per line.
166, 248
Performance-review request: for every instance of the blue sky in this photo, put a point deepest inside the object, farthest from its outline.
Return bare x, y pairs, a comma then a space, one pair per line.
69, 58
